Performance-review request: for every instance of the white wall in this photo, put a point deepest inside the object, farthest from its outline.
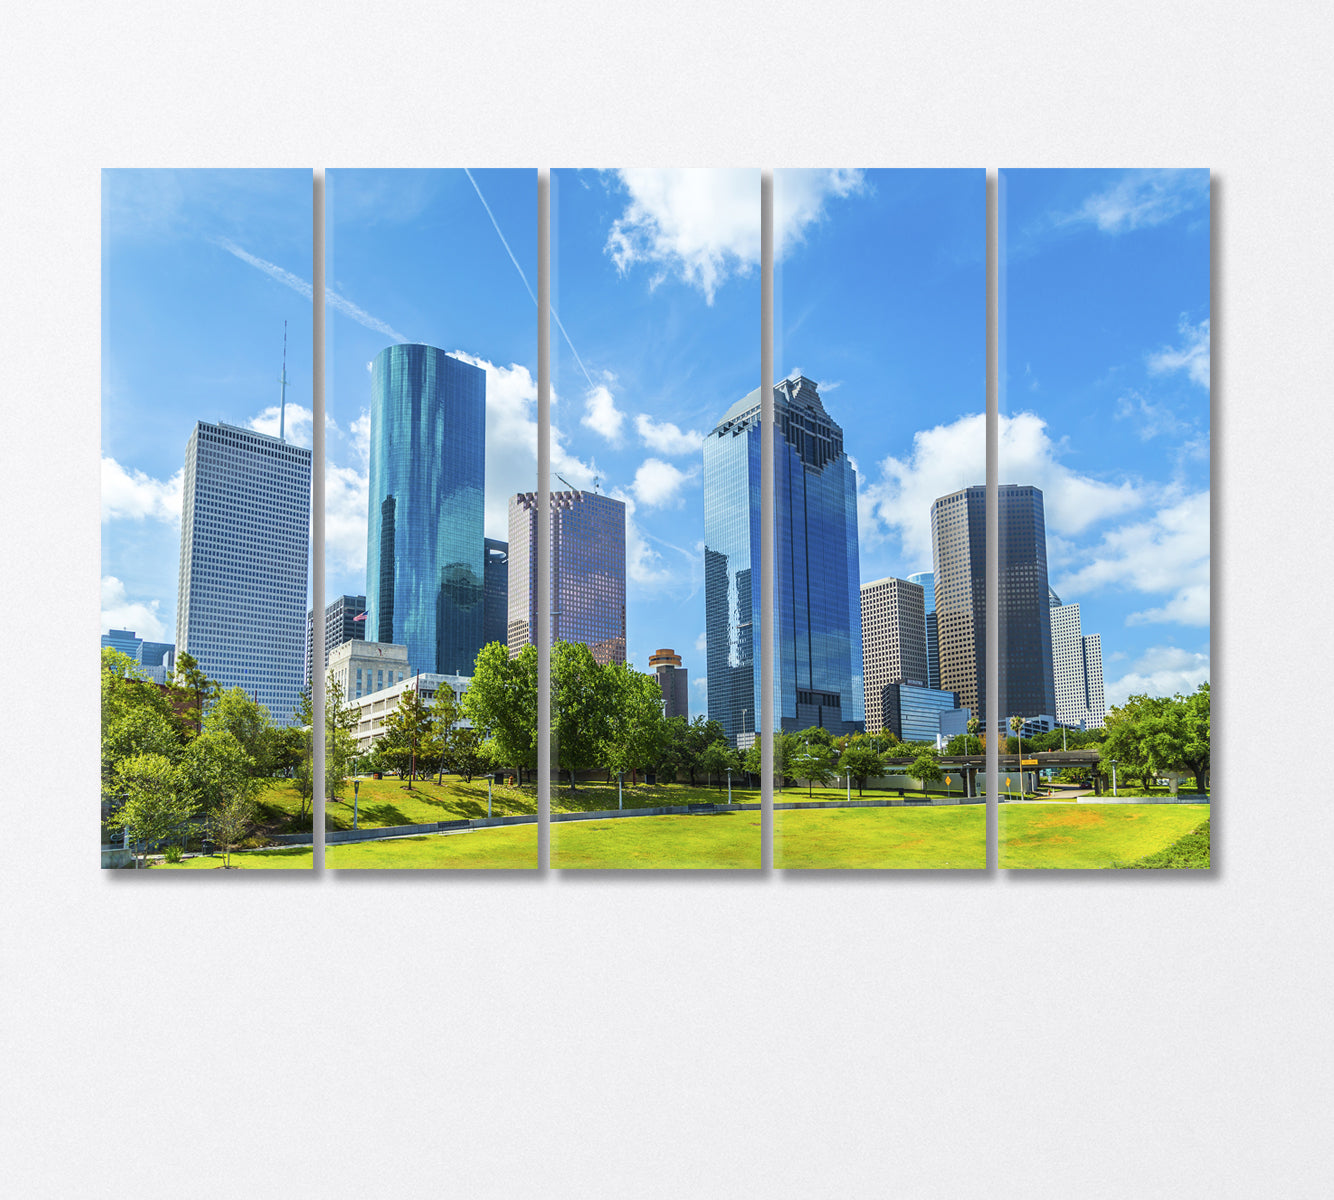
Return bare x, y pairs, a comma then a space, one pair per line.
826, 1035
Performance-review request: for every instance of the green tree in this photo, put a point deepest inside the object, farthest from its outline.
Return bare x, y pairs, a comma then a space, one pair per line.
717, 758
501, 702
340, 747
814, 761
580, 708
230, 822
197, 689
154, 806
445, 715
236, 712
406, 730
861, 760
1176, 735
214, 767
635, 731
926, 768
1127, 739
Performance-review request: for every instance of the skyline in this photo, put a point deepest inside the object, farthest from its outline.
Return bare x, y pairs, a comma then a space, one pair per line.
639, 251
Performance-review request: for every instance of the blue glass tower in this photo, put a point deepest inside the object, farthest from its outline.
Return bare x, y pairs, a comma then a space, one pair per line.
731, 554
927, 582
425, 557
818, 656
817, 576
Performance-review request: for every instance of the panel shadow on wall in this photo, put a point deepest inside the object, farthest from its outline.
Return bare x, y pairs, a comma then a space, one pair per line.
206, 474
431, 430
655, 518
1104, 519
880, 442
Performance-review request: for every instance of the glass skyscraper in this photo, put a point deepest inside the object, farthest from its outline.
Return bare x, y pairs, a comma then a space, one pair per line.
926, 580
731, 569
958, 535
495, 619
587, 572
818, 656
245, 551
425, 559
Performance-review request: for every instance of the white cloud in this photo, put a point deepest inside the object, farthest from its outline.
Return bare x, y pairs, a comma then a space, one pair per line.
949, 457
1165, 555
658, 484
1192, 356
298, 424
1141, 199
511, 442
1160, 671
701, 682
800, 197
666, 438
702, 225
360, 431
132, 495
643, 564
1150, 419
119, 612
702, 642
346, 491
601, 414
699, 224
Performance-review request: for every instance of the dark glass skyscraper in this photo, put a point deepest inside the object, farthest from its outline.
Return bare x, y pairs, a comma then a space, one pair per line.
818, 670
495, 617
731, 553
587, 572
340, 625
818, 656
425, 567
958, 535
927, 581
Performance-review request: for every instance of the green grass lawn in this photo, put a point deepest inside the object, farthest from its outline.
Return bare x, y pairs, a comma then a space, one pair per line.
292, 858
951, 838
719, 840
1091, 835
1188, 853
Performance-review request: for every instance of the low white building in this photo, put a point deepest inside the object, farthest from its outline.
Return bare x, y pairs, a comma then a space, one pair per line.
373, 710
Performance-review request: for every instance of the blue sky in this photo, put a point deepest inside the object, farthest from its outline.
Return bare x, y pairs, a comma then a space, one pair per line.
191, 330
1105, 405
880, 294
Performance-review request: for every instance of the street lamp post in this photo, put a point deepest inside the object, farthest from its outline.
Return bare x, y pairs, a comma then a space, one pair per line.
1111, 762
847, 771
729, 785
356, 787
490, 779
620, 803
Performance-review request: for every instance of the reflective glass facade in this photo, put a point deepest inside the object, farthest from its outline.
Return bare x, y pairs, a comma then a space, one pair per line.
245, 551
731, 568
425, 566
495, 617
958, 533
926, 580
818, 665
912, 714
587, 572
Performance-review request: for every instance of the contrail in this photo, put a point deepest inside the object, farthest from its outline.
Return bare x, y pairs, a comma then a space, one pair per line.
297, 284
496, 226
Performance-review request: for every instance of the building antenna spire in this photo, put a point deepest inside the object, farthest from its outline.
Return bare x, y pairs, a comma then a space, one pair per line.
282, 395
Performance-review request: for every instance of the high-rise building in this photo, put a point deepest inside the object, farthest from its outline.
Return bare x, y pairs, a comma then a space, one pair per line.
958, 536
927, 581
245, 553
818, 655
1077, 668
673, 682
156, 659
587, 572
495, 608
425, 554
894, 648
344, 621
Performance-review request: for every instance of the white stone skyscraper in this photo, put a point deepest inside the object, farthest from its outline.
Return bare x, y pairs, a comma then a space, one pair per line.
1077, 663
894, 641
245, 555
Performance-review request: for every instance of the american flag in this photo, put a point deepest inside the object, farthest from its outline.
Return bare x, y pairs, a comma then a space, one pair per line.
359, 617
